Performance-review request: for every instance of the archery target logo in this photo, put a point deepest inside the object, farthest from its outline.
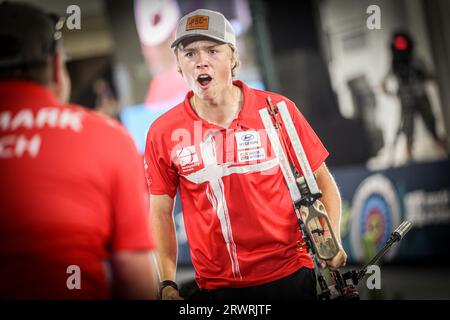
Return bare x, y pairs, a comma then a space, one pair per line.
375, 215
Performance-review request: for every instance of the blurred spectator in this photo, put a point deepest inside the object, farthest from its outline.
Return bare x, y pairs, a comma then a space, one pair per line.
411, 76
155, 22
106, 102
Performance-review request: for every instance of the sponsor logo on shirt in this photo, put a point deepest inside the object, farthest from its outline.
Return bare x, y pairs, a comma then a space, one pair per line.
187, 157
251, 155
248, 139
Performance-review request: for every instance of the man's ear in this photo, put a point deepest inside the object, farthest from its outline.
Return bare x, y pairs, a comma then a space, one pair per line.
60, 82
56, 68
233, 62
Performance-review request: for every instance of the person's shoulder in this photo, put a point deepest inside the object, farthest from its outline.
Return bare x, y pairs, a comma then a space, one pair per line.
103, 125
275, 97
172, 118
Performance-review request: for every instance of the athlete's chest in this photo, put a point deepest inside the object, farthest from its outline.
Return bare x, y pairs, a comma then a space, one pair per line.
222, 152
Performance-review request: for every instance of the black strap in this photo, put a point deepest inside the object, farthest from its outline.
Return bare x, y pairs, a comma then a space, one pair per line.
166, 283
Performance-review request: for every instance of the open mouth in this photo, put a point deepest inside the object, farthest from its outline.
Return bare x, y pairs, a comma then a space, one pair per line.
204, 79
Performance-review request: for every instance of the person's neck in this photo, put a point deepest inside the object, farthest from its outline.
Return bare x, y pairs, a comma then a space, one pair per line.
221, 110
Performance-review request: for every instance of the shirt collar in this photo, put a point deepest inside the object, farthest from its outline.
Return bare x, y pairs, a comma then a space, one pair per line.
247, 117
17, 93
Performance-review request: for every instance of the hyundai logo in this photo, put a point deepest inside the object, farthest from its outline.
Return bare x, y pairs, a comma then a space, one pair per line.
247, 137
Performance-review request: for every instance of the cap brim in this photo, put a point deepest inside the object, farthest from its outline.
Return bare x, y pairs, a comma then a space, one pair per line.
196, 35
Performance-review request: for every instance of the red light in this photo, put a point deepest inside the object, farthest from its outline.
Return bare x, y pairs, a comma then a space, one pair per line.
400, 43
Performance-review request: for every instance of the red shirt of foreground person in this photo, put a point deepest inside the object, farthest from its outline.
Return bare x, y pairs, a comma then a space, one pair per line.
74, 206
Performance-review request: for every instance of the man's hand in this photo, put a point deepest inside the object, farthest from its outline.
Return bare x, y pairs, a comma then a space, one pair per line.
170, 293
339, 260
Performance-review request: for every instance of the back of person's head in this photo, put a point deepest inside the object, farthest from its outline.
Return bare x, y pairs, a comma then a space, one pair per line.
29, 44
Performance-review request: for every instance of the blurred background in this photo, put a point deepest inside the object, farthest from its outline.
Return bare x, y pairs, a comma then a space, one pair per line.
371, 77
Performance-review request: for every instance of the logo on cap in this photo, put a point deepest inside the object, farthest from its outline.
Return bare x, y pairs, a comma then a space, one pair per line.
197, 22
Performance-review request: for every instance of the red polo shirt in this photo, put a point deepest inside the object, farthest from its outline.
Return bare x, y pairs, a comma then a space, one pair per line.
72, 192
238, 214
